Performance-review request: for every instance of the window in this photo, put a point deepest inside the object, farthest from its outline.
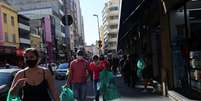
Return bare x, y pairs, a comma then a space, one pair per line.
113, 26
12, 21
14, 38
113, 8
6, 36
5, 18
10, 38
113, 17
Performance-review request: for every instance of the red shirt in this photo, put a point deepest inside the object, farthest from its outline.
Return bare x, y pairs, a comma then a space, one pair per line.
104, 63
78, 71
95, 69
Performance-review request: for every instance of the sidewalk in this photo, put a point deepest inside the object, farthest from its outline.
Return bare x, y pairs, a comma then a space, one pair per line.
136, 94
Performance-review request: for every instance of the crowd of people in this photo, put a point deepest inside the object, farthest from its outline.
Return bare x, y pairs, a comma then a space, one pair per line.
35, 83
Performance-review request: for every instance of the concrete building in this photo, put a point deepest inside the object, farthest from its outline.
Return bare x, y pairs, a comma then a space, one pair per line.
110, 19
24, 31
44, 10
76, 30
165, 32
9, 34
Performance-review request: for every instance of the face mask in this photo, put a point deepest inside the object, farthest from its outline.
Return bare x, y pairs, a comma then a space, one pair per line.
31, 63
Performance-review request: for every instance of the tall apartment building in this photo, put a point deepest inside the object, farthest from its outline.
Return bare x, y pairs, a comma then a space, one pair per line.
110, 19
76, 30
53, 34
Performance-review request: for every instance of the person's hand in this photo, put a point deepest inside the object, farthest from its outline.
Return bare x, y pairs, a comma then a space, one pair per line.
67, 85
21, 82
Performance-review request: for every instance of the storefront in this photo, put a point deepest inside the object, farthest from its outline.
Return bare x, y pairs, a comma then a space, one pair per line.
184, 26
8, 55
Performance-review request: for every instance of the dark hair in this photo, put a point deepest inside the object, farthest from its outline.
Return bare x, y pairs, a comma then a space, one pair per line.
95, 57
33, 50
80, 53
102, 57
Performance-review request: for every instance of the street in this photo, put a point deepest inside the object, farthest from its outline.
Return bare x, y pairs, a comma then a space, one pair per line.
127, 93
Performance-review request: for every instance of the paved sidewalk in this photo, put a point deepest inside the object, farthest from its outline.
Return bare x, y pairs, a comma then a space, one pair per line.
136, 94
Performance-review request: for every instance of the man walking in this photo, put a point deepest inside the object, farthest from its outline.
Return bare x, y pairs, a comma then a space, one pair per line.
77, 76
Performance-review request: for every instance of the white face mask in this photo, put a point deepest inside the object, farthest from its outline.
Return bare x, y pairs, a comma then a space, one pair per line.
79, 57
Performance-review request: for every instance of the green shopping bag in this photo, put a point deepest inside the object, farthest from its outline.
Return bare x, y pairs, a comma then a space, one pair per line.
140, 65
107, 86
66, 94
12, 98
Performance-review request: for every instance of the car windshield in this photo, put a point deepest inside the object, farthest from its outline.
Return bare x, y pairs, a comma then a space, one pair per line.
63, 66
4, 78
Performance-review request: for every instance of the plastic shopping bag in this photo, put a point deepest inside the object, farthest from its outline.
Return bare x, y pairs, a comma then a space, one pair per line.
66, 94
12, 98
108, 87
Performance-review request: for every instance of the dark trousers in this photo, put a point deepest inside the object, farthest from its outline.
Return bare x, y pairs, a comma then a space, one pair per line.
96, 89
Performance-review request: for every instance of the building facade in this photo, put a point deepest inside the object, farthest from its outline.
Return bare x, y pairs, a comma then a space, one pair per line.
9, 34
76, 30
165, 33
45, 10
24, 31
110, 19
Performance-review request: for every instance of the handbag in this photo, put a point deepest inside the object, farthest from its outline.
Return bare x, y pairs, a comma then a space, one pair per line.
66, 94
12, 98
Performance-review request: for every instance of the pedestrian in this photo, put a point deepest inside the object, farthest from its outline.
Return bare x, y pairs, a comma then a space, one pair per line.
50, 68
108, 87
77, 77
95, 68
104, 62
115, 62
35, 82
127, 71
147, 74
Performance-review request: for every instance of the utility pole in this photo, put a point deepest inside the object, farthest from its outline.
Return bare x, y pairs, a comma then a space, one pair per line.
99, 40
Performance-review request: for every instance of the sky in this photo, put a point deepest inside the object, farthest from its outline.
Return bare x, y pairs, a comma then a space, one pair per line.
90, 7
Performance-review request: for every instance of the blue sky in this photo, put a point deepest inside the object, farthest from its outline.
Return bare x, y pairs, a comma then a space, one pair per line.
90, 7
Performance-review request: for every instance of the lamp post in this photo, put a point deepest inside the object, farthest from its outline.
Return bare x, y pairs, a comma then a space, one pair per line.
98, 25
98, 31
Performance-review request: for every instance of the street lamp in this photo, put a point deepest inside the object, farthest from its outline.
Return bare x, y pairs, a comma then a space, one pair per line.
98, 25
98, 32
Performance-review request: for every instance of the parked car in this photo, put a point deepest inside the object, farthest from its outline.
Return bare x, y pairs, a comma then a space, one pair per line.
6, 78
61, 71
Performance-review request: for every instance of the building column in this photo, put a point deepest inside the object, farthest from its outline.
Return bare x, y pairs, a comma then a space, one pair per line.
166, 65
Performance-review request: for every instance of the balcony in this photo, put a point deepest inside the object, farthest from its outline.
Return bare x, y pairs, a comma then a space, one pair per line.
114, 21
113, 31
112, 40
114, 12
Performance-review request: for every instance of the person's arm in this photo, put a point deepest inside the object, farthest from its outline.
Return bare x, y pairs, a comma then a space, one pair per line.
52, 86
17, 84
69, 80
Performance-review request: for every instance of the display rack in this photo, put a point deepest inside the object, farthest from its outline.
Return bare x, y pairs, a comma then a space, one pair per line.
195, 70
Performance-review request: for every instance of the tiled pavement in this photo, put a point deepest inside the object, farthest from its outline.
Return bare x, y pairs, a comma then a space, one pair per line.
136, 94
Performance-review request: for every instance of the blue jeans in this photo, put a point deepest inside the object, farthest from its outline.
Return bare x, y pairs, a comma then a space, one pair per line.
79, 90
96, 90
